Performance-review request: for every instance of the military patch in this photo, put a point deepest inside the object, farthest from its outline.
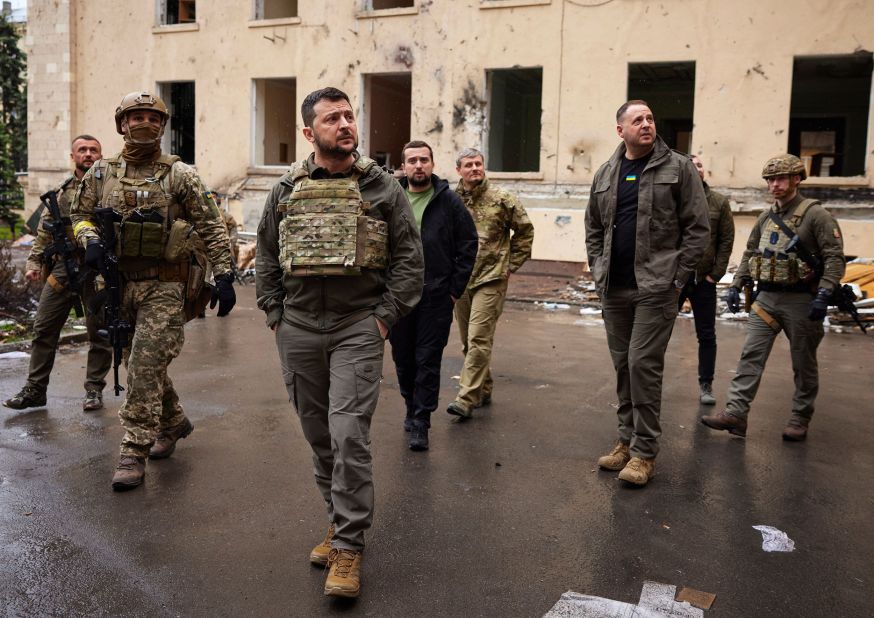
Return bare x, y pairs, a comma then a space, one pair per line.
775, 236
130, 199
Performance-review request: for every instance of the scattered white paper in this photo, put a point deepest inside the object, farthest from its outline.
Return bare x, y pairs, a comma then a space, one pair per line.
589, 311
775, 540
656, 601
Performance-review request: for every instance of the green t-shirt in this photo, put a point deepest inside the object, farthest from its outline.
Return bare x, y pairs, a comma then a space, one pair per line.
419, 201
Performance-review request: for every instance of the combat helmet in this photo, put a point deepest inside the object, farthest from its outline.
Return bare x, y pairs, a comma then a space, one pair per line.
139, 100
784, 164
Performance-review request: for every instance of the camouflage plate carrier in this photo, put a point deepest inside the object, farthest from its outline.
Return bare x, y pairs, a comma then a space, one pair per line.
325, 230
772, 263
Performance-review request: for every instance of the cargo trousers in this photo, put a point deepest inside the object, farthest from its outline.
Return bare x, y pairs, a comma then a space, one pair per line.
477, 313
639, 327
332, 379
156, 310
788, 312
51, 315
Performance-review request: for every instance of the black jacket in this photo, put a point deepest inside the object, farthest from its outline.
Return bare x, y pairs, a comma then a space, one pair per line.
449, 241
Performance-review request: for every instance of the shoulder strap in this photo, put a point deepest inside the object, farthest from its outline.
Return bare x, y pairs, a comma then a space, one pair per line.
803, 207
795, 241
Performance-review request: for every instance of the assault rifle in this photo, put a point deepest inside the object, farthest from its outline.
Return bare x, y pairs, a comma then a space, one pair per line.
62, 247
843, 298
116, 329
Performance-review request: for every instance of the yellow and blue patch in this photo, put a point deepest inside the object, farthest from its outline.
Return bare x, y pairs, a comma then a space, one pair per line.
631, 178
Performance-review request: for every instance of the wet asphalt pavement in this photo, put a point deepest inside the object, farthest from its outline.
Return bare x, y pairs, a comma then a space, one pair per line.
503, 514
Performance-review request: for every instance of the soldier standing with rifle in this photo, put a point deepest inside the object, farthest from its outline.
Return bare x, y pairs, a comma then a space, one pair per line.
55, 260
795, 254
167, 226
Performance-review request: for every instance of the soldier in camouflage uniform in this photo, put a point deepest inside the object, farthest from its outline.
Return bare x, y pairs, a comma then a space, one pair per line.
154, 196
505, 238
55, 301
331, 307
792, 296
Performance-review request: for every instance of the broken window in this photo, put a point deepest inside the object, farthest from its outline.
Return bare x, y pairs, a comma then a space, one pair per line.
387, 104
179, 133
176, 12
514, 97
828, 116
275, 9
669, 88
379, 5
275, 107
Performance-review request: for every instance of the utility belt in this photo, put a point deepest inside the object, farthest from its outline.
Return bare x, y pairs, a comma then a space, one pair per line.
802, 286
162, 272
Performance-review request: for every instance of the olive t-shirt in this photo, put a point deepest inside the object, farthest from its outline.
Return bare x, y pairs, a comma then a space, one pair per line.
419, 201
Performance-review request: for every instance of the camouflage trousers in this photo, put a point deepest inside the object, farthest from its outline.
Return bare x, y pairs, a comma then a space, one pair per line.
51, 315
155, 308
477, 313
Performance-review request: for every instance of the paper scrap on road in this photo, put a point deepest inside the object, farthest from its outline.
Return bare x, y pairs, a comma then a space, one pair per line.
15, 354
775, 540
704, 600
656, 601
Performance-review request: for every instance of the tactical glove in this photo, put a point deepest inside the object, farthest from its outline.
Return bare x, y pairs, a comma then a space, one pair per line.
733, 299
819, 305
94, 253
223, 294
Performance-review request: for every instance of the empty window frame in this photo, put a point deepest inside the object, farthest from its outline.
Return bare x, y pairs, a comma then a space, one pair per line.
176, 12
514, 110
275, 9
387, 106
828, 115
669, 88
379, 5
179, 133
275, 107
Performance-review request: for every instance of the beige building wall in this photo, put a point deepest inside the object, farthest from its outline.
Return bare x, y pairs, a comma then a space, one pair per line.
743, 52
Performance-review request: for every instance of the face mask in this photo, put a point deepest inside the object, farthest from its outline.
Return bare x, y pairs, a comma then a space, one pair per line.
142, 144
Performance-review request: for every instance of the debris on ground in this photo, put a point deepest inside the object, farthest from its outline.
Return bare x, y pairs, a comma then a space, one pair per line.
656, 601
775, 540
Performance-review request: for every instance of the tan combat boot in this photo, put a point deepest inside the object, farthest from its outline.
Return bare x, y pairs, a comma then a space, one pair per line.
321, 552
796, 430
638, 471
617, 458
344, 573
166, 441
129, 473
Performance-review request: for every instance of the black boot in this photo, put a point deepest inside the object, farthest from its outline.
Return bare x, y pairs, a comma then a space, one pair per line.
419, 436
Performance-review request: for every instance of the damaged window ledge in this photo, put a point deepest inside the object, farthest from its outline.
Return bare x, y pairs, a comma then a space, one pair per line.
279, 21
168, 28
509, 4
268, 170
405, 10
836, 181
515, 175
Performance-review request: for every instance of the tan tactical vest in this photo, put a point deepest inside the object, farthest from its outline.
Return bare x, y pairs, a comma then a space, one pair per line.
152, 243
771, 263
325, 230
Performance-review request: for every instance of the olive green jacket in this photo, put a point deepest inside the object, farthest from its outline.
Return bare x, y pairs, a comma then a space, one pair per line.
496, 213
672, 223
326, 304
818, 232
715, 260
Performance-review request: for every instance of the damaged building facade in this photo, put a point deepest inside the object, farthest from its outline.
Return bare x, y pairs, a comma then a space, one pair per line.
533, 83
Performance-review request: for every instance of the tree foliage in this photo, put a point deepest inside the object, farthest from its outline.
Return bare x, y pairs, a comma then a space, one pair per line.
13, 120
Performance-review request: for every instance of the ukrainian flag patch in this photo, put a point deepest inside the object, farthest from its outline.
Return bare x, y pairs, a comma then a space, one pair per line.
631, 178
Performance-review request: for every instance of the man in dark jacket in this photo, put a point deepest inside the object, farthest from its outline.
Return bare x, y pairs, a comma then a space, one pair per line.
646, 231
449, 242
339, 260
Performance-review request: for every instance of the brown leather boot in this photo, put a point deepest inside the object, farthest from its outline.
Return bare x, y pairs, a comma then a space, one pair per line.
638, 471
795, 430
617, 458
344, 574
166, 441
321, 552
734, 425
129, 473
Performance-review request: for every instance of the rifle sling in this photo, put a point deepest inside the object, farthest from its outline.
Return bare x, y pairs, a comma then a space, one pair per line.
803, 253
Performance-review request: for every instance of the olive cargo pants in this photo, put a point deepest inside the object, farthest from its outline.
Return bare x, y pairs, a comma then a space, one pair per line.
789, 312
333, 382
477, 313
51, 314
639, 328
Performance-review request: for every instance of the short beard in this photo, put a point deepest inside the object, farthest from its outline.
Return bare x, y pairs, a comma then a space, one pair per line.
419, 183
334, 152
84, 169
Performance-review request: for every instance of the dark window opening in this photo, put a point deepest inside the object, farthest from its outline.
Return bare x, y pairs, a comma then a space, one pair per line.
177, 11
387, 104
828, 116
275, 9
669, 88
275, 109
514, 119
179, 134
379, 5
